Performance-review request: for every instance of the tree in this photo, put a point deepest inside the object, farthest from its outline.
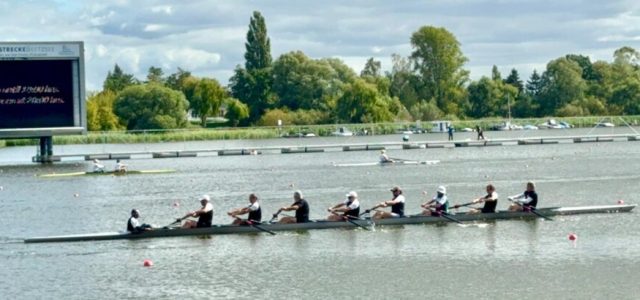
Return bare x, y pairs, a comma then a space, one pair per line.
514, 80
371, 68
176, 80
155, 75
100, 116
626, 56
402, 81
207, 98
117, 80
438, 62
585, 64
484, 98
562, 84
495, 74
426, 111
361, 102
236, 111
251, 84
151, 106
534, 84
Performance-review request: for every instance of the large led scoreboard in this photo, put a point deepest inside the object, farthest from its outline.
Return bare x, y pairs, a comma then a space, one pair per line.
42, 90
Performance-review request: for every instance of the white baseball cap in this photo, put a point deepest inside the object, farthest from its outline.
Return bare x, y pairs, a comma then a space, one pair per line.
352, 194
205, 197
442, 190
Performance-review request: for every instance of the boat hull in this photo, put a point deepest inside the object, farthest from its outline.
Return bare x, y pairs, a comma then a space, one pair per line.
131, 172
322, 224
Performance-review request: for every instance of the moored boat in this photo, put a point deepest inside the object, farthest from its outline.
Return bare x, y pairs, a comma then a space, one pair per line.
322, 224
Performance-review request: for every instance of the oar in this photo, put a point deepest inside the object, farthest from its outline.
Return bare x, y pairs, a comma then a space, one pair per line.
533, 210
174, 222
256, 226
463, 205
447, 216
346, 218
366, 211
275, 216
401, 159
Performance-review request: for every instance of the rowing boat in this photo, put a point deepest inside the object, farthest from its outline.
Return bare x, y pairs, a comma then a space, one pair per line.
106, 173
400, 162
323, 224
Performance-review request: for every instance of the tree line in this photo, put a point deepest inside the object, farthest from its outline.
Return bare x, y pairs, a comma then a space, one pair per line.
431, 83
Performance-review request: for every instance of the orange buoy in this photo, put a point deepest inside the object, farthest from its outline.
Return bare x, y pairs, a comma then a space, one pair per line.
147, 263
573, 236
619, 201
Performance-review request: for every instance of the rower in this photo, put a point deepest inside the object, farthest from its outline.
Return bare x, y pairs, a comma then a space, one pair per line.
97, 166
438, 204
396, 203
300, 206
253, 209
490, 201
204, 215
526, 201
384, 159
350, 208
133, 224
120, 167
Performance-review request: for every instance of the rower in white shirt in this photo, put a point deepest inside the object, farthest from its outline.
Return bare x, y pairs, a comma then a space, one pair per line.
350, 208
120, 167
97, 166
438, 204
253, 209
133, 224
384, 158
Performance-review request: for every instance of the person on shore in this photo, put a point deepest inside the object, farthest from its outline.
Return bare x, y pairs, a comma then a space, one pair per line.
97, 166
526, 201
450, 131
133, 224
490, 201
350, 208
204, 215
438, 204
120, 167
480, 132
396, 203
384, 158
300, 206
253, 209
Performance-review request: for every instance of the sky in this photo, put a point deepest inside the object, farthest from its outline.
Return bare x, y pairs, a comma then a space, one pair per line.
207, 37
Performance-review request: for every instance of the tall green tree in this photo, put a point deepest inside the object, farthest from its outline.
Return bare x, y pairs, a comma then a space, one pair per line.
176, 80
371, 68
534, 84
563, 84
100, 115
361, 102
438, 62
151, 106
495, 74
403, 82
208, 96
252, 84
118, 80
236, 111
155, 75
514, 80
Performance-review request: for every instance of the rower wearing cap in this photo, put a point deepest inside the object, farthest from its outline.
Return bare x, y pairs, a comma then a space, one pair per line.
350, 208
133, 224
97, 166
384, 158
525, 201
438, 204
300, 206
490, 201
204, 215
253, 209
396, 203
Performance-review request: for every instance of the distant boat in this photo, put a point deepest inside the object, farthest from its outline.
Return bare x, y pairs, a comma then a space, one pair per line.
399, 162
131, 172
342, 131
605, 124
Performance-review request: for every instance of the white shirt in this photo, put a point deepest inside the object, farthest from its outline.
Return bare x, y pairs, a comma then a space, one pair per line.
134, 222
524, 198
98, 167
399, 199
354, 205
384, 158
208, 207
120, 166
440, 201
254, 206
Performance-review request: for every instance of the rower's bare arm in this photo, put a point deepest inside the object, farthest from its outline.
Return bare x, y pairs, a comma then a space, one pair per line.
289, 208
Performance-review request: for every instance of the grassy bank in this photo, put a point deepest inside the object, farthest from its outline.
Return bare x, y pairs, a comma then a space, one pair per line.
201, 134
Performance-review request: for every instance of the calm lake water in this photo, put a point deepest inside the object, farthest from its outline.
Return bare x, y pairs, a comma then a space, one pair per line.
500, 260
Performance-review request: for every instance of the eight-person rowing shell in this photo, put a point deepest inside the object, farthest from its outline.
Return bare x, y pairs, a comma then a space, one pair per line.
350, 208
438, 204
300, 206
204, 215
253, 209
